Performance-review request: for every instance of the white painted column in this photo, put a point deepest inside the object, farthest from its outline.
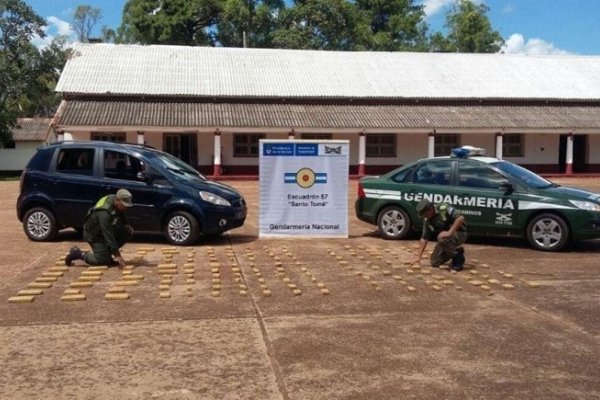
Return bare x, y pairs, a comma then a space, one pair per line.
362, 153
140, 137
217, 161
430, 144
569, 158
499, 145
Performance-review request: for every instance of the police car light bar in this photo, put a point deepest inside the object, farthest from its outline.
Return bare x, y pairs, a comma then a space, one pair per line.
467, 151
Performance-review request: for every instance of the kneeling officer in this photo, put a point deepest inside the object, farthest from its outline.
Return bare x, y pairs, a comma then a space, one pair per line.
446, 224
106, 230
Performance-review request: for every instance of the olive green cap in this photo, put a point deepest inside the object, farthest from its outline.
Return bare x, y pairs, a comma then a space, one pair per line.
124, 196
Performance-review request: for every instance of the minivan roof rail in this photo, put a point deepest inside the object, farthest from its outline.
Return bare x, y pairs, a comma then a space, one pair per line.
102, 141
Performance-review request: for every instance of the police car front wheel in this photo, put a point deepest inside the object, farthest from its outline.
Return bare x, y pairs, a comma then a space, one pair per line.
393, 223
548, 232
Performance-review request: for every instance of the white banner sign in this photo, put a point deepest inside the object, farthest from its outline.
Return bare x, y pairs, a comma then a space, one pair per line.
303, 188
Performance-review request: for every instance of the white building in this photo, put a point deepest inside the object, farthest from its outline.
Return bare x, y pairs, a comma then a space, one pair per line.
28, 134
210, 106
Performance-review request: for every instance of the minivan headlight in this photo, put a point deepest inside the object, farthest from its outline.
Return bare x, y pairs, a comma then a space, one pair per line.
214, 199
586, 205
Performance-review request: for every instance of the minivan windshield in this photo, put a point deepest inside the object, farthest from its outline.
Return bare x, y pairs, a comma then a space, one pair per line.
523, 175
177, 166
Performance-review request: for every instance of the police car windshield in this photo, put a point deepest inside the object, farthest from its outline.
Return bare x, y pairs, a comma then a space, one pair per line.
523, 175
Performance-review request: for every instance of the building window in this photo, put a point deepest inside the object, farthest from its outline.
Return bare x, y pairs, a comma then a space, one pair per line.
115, 137
512, 145
246, 145
381, 145
317, 136
444, 143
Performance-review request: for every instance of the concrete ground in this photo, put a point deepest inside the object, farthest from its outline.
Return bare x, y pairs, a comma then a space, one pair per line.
253, 318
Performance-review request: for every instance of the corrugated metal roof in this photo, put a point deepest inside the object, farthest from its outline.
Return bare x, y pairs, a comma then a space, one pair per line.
190, 114
234, 72
31, 129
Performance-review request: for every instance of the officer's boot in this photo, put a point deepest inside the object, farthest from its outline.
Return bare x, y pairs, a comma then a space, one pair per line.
458, 261
74, 254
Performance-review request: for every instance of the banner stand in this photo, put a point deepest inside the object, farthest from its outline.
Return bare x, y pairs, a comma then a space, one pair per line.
303, 188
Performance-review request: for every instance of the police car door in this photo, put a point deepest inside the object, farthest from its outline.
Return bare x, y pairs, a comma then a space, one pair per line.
432, 179
487, 207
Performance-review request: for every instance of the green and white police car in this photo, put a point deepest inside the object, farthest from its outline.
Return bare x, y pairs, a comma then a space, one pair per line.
497, 198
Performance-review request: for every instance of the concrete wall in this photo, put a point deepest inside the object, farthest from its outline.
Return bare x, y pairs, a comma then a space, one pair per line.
539, 149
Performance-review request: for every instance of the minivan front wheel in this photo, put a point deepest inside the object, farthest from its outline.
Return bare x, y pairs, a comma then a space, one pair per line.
393, 223
181, 228
547, 232
39, 224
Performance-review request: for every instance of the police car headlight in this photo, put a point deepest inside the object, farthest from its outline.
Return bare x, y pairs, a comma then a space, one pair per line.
586, 205
214, 199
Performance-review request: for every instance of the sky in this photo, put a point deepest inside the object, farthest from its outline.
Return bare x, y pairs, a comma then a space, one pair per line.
527, 26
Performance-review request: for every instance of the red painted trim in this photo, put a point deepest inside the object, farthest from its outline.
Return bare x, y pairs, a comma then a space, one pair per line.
569, 169
361, 169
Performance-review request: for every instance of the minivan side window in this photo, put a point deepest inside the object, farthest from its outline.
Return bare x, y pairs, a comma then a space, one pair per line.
75, 161
118, 165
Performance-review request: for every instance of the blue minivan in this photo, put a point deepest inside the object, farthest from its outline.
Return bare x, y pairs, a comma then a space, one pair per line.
63, 180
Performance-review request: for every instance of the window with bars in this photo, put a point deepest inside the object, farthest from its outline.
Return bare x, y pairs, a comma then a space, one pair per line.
381, 145
116, 137
444, 143
246, 145
317, 136
512, 145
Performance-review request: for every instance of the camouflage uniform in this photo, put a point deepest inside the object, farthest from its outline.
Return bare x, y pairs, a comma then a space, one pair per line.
104, 229
449, 247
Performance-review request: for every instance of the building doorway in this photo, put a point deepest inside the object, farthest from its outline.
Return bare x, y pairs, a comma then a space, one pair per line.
182, 146
580, 156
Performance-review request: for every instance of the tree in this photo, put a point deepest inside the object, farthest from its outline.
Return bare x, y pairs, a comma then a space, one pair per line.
254, 20
439, 43
178, 22
470, 30
108, 35
391, 25
38, 97
84, 20
317, 25
18, 24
